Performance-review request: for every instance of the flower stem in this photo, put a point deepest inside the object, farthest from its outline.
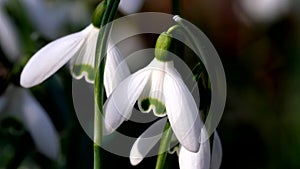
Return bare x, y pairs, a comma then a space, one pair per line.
164, 146
109, 15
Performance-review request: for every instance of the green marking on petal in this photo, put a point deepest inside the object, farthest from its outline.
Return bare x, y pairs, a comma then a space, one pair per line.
79, 70
159, 107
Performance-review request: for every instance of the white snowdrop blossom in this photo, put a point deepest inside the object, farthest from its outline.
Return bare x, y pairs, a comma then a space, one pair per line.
204, 158
80, 47
160, 88
19, 103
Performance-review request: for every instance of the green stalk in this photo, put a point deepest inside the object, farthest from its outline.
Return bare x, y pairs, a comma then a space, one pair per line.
164, 146
109, 14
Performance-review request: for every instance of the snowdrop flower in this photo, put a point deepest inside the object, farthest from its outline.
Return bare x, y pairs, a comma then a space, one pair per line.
80, 48
8, 35
158, 87
19, 103
204, 158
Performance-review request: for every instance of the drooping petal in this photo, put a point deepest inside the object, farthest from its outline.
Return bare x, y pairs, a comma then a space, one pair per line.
36, 121
217, 153
115, 70
182, 110
146, 141
119, 105
82, 64
8, 37
198, 160
51, 57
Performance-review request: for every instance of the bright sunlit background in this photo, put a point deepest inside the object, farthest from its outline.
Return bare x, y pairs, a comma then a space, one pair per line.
258, 42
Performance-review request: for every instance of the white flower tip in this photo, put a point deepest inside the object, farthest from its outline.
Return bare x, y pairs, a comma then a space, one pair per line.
24, 82
135, 160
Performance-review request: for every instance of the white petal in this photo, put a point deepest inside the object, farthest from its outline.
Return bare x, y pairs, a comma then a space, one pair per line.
146, 141
82, 65
119, 105
130, 6
51, 57
182, 110
115, 71
8, 37
198, 160
217, 153
37, 123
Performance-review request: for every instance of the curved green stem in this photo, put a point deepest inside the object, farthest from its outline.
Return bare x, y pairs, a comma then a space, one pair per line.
164, 146
109, 15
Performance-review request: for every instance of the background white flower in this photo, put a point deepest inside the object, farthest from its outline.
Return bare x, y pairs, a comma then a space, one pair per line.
19, 103
9, 40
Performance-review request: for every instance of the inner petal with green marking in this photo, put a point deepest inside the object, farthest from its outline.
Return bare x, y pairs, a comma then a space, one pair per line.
78, 71
158, 107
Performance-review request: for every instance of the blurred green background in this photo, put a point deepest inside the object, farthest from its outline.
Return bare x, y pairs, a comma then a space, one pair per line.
258, 43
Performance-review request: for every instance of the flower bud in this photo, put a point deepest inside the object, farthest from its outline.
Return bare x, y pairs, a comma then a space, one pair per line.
99, 13
162, 47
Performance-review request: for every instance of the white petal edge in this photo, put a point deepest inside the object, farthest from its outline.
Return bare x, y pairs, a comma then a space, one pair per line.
146, 141
50, 58
38, 124
116, 69
217, 153
119, 105
182, 110
198, 160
